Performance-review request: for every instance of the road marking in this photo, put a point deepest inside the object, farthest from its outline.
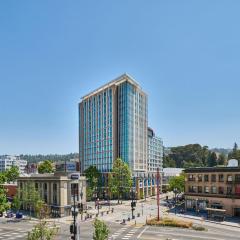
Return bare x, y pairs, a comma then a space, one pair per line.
140, 234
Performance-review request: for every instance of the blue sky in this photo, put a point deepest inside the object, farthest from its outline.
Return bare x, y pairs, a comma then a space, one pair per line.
184, 54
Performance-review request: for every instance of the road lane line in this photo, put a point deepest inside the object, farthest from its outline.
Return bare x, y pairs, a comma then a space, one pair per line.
140, 234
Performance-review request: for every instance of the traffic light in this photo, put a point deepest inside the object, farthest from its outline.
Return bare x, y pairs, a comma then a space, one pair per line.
80, 207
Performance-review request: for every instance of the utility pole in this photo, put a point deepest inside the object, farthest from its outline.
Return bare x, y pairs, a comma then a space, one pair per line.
158, 195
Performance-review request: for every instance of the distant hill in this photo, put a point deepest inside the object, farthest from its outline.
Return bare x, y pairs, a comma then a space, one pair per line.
51, 157
224, 151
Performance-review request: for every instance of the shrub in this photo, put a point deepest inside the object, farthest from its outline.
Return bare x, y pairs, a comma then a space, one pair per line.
170, 223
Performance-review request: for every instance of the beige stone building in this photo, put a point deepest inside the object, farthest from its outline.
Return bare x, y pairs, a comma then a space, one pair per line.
218, 188
57, 190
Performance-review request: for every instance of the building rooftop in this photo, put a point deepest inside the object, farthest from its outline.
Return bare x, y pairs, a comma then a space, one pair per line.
124, 77
212, 169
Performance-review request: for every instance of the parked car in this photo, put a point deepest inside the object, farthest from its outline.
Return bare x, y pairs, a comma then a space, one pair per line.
1, 214
9, 214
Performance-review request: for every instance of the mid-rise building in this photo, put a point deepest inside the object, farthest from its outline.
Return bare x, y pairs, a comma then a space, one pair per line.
113, 123
214, 190
155, 152
7, 161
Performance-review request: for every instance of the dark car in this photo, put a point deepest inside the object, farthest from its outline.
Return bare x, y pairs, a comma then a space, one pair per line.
9, 214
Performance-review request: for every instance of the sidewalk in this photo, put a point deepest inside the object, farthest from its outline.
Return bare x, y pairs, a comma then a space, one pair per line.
225, 223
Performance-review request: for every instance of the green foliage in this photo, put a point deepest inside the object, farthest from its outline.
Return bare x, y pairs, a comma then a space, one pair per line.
121, 177
51, 157
3, 178
235, 153
42, 232
45, 167
4, 205
212, 159
222, 160
177, 182
90, 193
30, 197
12, 174
92, 174
111, 185
192, 155
101, 231
16, 204
168, 162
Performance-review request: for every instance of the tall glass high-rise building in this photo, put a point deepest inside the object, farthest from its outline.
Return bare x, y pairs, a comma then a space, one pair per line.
113, 122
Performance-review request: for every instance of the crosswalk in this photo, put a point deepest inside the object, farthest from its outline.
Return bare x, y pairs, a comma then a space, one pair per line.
125, 233
13, 234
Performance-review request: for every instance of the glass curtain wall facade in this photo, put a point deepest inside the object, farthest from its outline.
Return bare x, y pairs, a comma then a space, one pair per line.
113, 123
155, 152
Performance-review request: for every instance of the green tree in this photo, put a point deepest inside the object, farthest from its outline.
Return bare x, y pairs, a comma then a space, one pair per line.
12, 174
222, 159
212, 159
101, 231
191, 155
121, 177
45, 167
42, 232
92, 174
112, 189
3, 178
235, 153
177, 182
4, 205
30, 197
16, 203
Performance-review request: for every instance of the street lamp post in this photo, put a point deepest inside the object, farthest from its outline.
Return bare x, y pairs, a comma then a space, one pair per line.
74, 213
133, 204
81, 196
175, 198
98, 205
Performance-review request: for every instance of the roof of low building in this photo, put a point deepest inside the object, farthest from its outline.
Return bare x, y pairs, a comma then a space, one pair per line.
212, 169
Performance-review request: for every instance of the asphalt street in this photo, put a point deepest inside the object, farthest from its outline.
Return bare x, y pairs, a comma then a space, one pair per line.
18, 231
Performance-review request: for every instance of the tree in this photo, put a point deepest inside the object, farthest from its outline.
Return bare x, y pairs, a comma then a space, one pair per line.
101, 231
235, 153
30, 197
191, 155
45, 167
121, 177
4, 205
3, 178
222, 159
16, 203
111, 186
42, 232
92, 174
212, 159
177, 182
12, 174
